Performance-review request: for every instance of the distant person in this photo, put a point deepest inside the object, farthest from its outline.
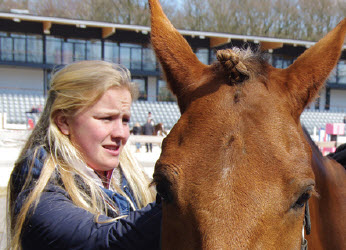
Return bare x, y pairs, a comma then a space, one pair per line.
32, 117
39, 108
148, 129
151, 118
34, 110
76, 184
137, 130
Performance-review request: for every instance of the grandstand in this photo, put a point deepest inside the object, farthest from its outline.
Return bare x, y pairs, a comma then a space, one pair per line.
166, 112
32, 48
318, 119
17, 103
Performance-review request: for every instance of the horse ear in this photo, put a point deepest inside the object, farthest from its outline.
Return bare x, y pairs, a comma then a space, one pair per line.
181, 66
306, 76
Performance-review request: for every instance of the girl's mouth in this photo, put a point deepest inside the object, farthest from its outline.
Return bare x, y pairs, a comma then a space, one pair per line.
112, 149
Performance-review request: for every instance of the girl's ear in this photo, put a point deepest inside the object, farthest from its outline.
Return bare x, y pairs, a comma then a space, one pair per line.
62, 123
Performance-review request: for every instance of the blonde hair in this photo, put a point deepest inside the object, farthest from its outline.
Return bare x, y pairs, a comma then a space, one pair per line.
73, 89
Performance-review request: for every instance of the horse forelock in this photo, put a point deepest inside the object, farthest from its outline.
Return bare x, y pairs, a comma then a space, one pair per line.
252, 63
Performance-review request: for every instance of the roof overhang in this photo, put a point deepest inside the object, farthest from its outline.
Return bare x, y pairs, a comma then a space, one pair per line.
216, 39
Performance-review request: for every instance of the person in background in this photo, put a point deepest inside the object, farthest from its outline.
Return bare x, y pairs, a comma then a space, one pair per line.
151, 118
137, 131
76, 184
148, 129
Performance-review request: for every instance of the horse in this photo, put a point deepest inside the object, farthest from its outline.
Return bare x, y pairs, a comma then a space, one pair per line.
326, 210
235, 171
159, 129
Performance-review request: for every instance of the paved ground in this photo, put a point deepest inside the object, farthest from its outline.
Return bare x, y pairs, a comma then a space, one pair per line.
11, 141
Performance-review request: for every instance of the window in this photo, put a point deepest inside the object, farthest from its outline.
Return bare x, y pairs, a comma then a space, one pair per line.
142, 87
67, 53
78, 49
21, 47
18, 47
203, 55
94, 49
333, 76
53, 50
130, 55
341, 72
327, 105
34, 48
111, 52
136, 58
164, 94
64, 51
317, 103
282, 62
149, 60
6, 47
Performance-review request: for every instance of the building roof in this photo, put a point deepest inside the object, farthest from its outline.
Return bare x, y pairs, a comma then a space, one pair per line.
108, 29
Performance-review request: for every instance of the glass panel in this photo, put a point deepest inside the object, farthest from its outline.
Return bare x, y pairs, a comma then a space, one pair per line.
163, 92
203, 55
286, 63
6, 48
125, 56
332, 76
67, 53
34, 45
277, 62
342, 72
281, 62
136, 58
19, 47
213, 57
317, 103
94, 50
149, 60
79, 50
111, 52
53, 50
142, 88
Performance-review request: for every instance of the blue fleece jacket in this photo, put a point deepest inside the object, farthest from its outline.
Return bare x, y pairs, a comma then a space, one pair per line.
57, 223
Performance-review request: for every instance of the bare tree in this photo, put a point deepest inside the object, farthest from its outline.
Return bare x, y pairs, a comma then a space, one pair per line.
7, 5
224, 16
318, 17
296, 19
195, 15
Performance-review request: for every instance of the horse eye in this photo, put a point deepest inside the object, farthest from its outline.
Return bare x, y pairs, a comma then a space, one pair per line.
163, 188
302, 200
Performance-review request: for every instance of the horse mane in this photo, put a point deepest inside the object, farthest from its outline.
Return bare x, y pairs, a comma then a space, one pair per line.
242, 63
312, 144
339, 155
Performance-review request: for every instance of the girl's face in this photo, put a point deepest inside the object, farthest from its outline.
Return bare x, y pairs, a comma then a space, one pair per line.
101, 131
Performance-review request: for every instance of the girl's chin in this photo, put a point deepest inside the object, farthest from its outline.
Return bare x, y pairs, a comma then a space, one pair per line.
106, 166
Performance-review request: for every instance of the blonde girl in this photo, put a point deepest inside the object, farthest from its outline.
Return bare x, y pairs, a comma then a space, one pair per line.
75, 184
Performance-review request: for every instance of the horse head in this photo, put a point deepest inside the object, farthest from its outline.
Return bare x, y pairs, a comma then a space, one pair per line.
235, 170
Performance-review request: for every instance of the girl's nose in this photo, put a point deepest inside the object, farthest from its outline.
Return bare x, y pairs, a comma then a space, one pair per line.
120, 130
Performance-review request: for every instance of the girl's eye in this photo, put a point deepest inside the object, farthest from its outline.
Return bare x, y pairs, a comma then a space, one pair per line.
108, 118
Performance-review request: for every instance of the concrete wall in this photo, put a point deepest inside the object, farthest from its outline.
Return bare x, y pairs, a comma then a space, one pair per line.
338, 98
152, 80
17, 77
